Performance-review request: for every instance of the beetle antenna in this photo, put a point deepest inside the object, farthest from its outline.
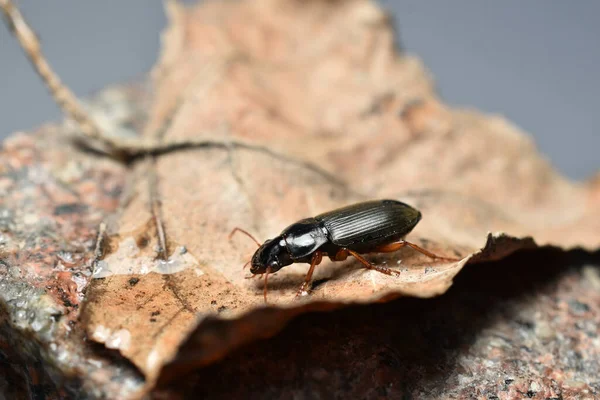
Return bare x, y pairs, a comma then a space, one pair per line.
236, 229
245, 265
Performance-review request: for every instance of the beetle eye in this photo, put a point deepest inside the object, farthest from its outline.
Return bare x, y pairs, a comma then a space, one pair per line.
274, 264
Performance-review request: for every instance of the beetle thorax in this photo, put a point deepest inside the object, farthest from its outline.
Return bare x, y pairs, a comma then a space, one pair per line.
304, 237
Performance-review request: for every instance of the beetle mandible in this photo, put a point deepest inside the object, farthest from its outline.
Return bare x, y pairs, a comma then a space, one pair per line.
377, 226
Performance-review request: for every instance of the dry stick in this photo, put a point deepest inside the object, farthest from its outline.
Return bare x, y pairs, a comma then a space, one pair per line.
155, 209
68, 102
65, 98
71, 106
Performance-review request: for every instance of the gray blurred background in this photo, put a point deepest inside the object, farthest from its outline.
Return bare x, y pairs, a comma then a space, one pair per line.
535, 62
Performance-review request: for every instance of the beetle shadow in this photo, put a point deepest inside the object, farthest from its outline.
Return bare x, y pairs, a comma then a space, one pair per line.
405, 346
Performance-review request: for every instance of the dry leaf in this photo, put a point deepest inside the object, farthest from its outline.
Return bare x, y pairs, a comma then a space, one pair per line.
305, 106
295, 108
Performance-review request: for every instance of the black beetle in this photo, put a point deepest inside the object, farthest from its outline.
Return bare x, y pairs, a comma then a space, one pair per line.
377, 226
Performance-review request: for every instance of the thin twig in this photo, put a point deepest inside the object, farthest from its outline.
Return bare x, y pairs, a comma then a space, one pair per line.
155, 209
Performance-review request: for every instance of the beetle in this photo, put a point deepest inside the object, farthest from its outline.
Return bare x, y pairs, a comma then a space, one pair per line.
377, 226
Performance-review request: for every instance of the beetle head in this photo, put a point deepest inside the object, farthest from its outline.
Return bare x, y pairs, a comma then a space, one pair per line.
270, 257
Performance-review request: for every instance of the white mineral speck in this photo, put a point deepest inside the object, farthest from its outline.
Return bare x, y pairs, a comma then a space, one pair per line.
30, 219
65, 256
37, 325
534, 387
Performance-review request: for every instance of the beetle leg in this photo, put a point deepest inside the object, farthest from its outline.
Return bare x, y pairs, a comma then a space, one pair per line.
266, 280
368, 265
316, 260
388, 248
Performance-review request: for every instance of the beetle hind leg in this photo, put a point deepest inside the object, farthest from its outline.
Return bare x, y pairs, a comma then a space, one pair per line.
388, 248
342, 254
368, 265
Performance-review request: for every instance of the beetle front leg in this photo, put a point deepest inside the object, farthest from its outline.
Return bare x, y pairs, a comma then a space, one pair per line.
316, 260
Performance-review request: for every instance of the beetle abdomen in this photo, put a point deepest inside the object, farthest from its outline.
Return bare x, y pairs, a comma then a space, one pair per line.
369, 224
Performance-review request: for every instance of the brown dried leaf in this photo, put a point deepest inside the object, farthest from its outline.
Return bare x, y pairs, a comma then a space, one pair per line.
306, 106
